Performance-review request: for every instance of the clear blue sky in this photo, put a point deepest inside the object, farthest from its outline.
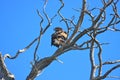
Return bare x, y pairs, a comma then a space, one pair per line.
19, 25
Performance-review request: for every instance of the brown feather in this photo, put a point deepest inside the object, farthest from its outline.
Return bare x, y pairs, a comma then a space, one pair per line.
59, 37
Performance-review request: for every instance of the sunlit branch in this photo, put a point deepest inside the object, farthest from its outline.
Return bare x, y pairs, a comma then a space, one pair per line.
90, 14
41, 28
45, 12
83, 46
62, 17
4, 73
79, 22
99, 58
93, 68
39, 66
87, 43
103, 17
115, 9
71, 22
92, 61
35, 52
42, 31
111, 23
92, 54
21, 51
101, 12
115, 77
48, 19
109, 71
111, 62
81, 35
77, 48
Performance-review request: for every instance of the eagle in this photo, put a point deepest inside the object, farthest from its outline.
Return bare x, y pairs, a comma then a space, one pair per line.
59, 37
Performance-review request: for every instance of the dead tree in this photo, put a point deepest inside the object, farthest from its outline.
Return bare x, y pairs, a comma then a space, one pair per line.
94, 29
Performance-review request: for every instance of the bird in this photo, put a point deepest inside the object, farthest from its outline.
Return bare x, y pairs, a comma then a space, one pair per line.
59, 37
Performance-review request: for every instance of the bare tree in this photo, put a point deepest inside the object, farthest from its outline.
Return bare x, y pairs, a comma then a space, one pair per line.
95, 28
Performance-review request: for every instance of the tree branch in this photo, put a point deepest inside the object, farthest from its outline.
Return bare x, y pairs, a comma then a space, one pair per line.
92, 44
4, 73
63, 18
92, 61
101, 12
99, 58
48, 19
20, 51
109, 71
79, 22
39, 66
109, 63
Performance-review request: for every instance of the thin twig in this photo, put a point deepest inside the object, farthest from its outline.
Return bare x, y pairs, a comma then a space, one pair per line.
36, 48
48, 19
109, 71
21, 51
63, 18
41, 28
79, 22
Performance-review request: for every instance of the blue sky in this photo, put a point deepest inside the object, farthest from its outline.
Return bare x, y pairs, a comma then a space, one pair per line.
19, 25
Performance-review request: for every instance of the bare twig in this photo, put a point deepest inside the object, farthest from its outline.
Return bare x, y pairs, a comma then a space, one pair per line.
79, 22
71, 22
48, 19
101, 12
63, 18
21, 51
81, 35
35, 52
41, 28
115, 9
115, 77
42, 31
109, 71
111, 62
90, 14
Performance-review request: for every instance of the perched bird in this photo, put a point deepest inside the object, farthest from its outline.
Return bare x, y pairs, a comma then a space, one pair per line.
59, 37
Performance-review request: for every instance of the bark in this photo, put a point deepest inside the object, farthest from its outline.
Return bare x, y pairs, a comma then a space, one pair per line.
4, 73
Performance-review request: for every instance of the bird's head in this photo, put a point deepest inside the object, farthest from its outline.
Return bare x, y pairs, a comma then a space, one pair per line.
58, 29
